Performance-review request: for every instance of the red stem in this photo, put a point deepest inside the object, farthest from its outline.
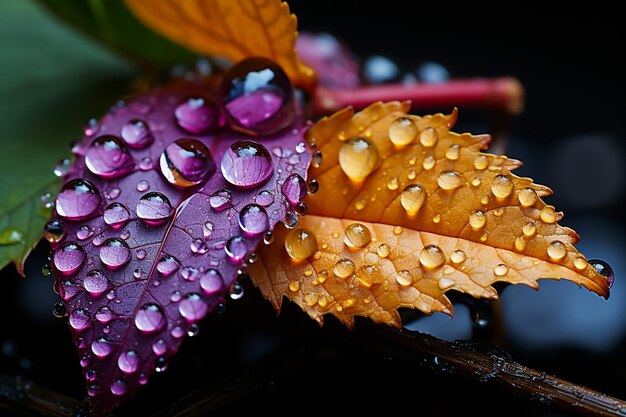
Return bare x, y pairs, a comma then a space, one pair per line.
503, 94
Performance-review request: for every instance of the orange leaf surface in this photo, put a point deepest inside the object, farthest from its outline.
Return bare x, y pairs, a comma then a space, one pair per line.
408, 210
234, 29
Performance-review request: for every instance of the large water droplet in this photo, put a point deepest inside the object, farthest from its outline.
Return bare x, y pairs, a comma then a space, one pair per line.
253, 220
604, 269
236, 249
154, 208
502, 186
247, 164
402, 131
449, 180
77, 200
62, 167
453, 153
79, 319
458, 256
128, 362
108, 157
432, 256
136, 134
527, 197
59, 310
257, 96
211, 281
547, 215
358, 157
264, 198
53, 231
343, 268
198, 246
428, 137
236, 291
313, 186
167, 265
119, 387
294, 189
221, 200
95, 282
477, 219
67, 289
85, 232
114, 253
101, 347
500, 270
300, 243
357, 235
159, 347
186, 162
557, 250
193, 308
198, 115
150, 318
104, 314
69, 258
383, 250
116, 215
412, 198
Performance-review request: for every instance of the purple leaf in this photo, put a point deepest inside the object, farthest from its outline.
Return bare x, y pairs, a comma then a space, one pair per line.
159, 212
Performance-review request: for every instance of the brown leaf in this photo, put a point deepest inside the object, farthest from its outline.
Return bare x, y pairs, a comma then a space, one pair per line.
235, 29
433, 214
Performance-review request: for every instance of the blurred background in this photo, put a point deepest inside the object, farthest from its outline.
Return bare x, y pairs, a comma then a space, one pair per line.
571, 137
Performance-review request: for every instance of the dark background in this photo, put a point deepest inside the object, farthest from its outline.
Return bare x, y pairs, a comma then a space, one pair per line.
571, 137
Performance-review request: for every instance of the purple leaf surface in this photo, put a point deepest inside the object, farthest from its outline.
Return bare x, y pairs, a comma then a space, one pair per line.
160, 211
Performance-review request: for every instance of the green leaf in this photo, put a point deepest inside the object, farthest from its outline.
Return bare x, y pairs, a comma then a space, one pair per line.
51, 81
110, 22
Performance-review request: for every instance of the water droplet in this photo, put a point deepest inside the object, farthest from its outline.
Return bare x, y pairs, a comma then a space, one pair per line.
221, 200
360, 204
343, 268
128, 362
404, 278
437, 218
502, 186
160, 365
429, 162
116, 215
383, 250
150, 318
154, 208
450, 180
520, 243
357, 235
500, 270
198, 246
291, 220
99, 239
527, 197
236, 291
257, 96
91, 127
186, 163
529, 229
317, 159
141, 254
458, 256
207, 229
294, 286
59, 310
104, 314
193, 330
77, 200
95, 282
47, 201
193, 308
62, 167
143, 185
92, 390
412, 198
198, 115
432, 256
108, 157
253, 220
428, 137
46, 270
90, 375
300, 209
236, 249
264, 198
111, 295
136, 134
547, 215
603, 269
68, 290
312, 186
53, 231
211, 281
557, 250
481, 162
69, 258
453, 152
358, 157
177, 332
481, 313
159, 347
300, 243
247, 164
119, 387
167, 265
85, 232
476, 181
268, 238
114, 253
580, 263
477, 219
412, 174
402, 131
101, 347
397, 230
145, 164
393, 184
79, 319
294, 189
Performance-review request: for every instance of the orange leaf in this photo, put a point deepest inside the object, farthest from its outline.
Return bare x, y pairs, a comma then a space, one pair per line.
408, 210
234, 29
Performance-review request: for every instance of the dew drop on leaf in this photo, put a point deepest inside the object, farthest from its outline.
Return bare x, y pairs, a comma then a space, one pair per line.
198, 115
69, 258
186, 163
412, 198
95, 282
150, 318
300, 243
402, 131
77, 200
432, 256
116, 215
108, 157
358, 157
154, 208
114, 253
357, 235
53, 231
247, 164
193, 308
136, 134
253, 219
